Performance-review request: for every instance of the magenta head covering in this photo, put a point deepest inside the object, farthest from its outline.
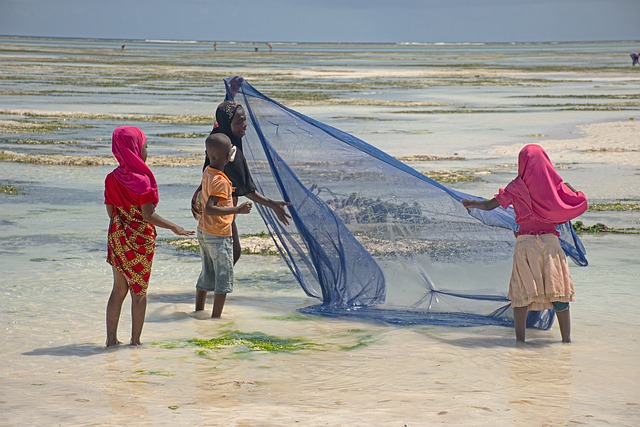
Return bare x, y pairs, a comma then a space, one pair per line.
544, 194
133, 172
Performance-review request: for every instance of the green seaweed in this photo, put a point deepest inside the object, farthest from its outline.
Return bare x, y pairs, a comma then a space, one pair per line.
460, 110
254, 341
289, 95
450, 177
361, 342
588, 105
169, 345
182, 135
363, 339
293, 317
261, 234
599, 227
241, 342
203, 353
569, 96
618, 207
598, 108
10, 189
55, 159
159, 118
31, 141
25, 126
428, 158
580, 227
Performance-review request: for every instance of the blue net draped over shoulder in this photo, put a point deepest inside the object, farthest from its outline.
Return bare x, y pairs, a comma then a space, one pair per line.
371, 237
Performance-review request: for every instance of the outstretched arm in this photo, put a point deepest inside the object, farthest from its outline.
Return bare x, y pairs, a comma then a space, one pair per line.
275, 205
149, 214
485, 205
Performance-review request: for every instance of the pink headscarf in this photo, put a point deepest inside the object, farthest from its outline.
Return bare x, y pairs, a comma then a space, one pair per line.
133, 172
546, 198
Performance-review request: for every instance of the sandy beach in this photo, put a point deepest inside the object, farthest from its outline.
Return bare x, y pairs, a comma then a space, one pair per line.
606, 143
354, 374
277, 366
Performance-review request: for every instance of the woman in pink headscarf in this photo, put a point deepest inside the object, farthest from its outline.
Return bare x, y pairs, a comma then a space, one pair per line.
131, 197
541, 201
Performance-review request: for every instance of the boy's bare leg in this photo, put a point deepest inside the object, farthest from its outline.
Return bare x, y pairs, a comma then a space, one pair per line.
218, 304
201, 298
520, 322
114, 306
138, 310
564, 321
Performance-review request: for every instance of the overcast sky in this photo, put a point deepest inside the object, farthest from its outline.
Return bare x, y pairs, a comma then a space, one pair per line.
326, 20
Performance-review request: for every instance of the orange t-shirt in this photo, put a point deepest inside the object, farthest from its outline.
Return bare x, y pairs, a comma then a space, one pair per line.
216, 184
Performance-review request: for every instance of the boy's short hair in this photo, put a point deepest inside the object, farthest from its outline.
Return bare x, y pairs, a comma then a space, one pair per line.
216, 142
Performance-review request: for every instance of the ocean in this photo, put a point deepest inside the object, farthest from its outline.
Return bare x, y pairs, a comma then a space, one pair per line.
471, 105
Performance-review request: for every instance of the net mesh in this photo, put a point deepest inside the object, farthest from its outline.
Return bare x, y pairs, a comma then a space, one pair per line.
371, 237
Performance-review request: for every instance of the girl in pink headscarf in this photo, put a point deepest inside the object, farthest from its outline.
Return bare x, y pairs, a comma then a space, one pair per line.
131, 197
541, 200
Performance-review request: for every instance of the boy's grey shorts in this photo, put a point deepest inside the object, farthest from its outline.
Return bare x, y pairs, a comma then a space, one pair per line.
217, 263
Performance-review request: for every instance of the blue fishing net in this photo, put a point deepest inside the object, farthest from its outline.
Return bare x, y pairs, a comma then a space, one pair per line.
372, 238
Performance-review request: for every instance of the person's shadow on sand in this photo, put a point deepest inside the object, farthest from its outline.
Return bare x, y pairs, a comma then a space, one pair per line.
80, 350
493, 341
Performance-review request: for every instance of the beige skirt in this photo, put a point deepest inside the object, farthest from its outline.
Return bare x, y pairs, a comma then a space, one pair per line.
540, 274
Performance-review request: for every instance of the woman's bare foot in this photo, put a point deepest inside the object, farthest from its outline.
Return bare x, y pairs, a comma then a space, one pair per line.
136, 343
112, 343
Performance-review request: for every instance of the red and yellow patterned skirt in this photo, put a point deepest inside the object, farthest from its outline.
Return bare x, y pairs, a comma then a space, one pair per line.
131, 245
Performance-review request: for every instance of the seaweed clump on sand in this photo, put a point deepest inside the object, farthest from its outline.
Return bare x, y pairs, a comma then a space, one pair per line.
365, 210
599, 227
71, 160
428, 158
252, 244
580, 227
453, 177
618, 207
10, 189
246, 342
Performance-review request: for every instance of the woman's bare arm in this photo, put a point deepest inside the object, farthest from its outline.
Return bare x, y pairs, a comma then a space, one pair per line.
277, 206
485, 205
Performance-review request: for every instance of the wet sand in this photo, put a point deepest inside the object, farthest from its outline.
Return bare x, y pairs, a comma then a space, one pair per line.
54, 285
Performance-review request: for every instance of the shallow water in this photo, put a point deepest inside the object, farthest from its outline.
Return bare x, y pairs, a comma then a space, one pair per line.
55, 281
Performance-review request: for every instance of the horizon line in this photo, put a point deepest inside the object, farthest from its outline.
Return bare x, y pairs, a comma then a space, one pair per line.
191, 41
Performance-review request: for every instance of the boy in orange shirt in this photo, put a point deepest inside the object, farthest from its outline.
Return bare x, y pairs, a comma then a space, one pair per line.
214, 226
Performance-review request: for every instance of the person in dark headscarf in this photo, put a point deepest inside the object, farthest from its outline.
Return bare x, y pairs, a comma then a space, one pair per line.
231, 120
635, 57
